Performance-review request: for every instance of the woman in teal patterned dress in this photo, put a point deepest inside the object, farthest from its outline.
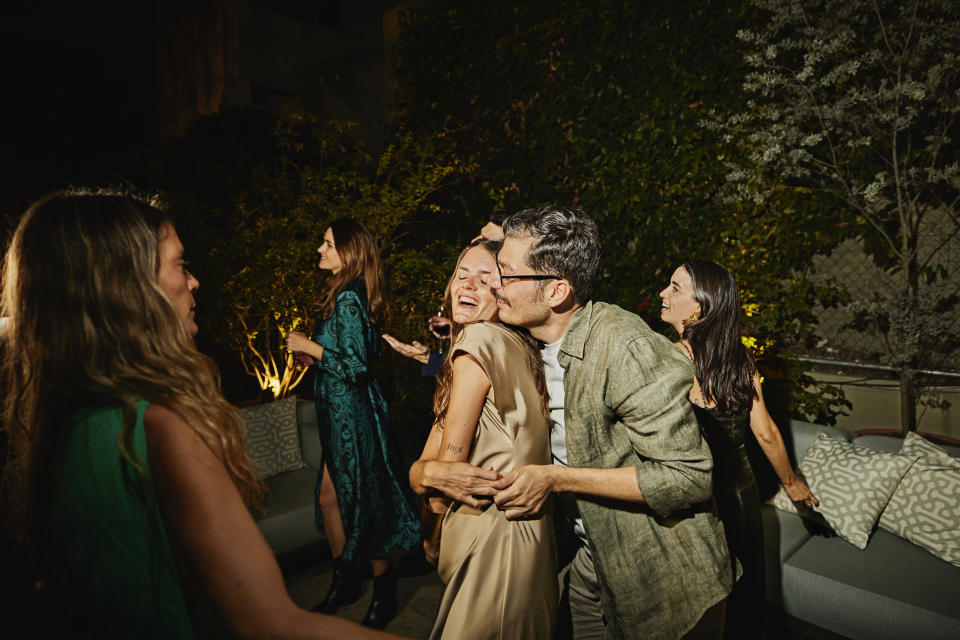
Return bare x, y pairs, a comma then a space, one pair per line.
360, 503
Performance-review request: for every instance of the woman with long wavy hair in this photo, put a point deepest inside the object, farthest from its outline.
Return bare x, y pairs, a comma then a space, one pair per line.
490, 417
127, 468
703, 305
360, 503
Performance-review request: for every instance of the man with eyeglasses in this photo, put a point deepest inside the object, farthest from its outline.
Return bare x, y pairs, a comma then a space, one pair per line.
628, 453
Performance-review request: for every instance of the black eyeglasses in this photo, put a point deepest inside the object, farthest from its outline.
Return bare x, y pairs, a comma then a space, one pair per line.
505, 280
533, 276
528, 276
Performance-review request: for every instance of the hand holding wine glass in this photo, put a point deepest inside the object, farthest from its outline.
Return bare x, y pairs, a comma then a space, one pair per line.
439, 325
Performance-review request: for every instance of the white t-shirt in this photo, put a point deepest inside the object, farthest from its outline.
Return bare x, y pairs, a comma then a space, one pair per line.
553, 373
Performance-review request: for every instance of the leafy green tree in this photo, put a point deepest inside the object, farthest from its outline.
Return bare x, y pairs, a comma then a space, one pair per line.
597, 103
265, 211
856, 101
588, 103
591, 103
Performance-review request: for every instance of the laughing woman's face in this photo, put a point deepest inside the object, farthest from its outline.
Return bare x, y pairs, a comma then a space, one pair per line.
473, 299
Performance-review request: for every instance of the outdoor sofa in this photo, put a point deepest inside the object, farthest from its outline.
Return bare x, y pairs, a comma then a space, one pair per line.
892, 588
284, 443
816, 580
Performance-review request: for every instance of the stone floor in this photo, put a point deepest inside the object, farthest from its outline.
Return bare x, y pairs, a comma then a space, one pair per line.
418, 590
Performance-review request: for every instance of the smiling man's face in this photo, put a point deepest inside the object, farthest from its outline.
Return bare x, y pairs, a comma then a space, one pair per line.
522, 302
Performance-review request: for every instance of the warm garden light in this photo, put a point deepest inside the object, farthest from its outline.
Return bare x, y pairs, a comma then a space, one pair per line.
280, 383
269, 376
263, 365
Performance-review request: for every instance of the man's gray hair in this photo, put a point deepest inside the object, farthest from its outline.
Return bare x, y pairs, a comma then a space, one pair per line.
567, 244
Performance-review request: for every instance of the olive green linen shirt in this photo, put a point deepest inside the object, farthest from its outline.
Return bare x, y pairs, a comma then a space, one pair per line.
661, 564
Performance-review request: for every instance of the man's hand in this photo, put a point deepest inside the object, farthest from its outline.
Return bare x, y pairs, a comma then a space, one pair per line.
417, 351
461, 481
523, 491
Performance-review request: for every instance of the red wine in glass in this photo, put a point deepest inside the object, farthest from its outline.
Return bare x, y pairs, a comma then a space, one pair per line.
442, 330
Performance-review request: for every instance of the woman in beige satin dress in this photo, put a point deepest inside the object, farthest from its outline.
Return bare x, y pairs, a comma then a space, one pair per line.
500, 577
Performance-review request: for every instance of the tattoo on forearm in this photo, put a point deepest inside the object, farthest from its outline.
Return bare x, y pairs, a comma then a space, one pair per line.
454, 448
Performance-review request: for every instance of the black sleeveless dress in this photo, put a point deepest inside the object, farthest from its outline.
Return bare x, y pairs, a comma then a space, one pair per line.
738, 504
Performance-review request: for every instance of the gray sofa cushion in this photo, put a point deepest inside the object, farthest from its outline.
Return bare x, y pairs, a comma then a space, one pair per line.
288, 523
289, 520
953, 451
783, 534
889, 444
799, 435
892, 444
309, 434
890, 590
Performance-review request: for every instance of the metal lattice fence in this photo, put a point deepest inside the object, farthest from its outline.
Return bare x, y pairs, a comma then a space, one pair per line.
934, 332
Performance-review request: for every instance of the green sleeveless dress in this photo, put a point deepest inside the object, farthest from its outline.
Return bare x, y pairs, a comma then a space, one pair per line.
118, 574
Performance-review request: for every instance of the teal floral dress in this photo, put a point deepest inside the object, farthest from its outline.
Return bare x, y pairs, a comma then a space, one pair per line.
377, 518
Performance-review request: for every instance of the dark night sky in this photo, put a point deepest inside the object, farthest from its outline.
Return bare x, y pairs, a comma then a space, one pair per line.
78, 93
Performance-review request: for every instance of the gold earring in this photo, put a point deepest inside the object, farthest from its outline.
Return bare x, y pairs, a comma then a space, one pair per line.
689, 321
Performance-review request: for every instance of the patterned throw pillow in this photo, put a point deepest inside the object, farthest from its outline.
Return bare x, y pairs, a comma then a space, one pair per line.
270, 432
852, 483
925, 508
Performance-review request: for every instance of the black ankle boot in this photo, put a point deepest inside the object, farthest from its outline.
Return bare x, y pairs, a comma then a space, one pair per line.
383, 605
345, 588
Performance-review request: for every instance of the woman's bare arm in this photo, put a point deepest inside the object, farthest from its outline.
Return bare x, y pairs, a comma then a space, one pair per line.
205, 515
468, 391
458, 480
769, 438
419, 477
442, 466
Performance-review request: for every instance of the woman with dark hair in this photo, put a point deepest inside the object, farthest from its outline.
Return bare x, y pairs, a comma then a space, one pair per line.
703, 305
127, 470
499, 576
360, 503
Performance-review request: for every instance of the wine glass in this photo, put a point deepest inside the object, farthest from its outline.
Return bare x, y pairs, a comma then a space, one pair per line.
440, 327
